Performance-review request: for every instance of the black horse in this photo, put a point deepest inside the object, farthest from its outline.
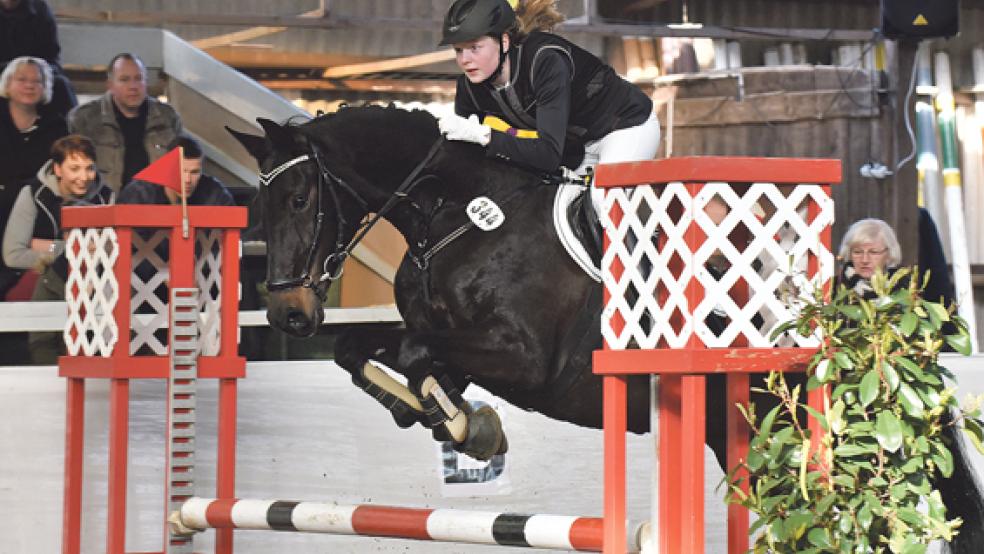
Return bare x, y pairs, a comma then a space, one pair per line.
506, 308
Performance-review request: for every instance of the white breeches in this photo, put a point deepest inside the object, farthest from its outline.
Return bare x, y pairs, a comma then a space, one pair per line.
624, 145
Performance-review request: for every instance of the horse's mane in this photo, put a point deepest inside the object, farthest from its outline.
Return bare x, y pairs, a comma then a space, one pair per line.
395, 120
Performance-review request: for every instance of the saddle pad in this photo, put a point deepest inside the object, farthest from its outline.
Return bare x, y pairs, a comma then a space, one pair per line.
566, 194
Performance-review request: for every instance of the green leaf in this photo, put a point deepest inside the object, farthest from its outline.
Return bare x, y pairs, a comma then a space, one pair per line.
891, 376
850, 450
975, 433
843, 360
960, 342
888, 431
824, 370
851, 311
943, 459
865, 517
796, 524
819, 537
869, 388
937, 309
767, 422
908, 324
911, 402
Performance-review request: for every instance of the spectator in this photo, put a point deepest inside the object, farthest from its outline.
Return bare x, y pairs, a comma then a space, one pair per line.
125, 116
33, 238
868, 246
26, 135
201, 189
27, 28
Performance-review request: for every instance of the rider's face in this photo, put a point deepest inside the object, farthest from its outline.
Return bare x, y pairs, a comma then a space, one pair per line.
478, 58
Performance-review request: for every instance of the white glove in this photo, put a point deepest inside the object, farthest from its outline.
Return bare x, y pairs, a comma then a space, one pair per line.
456, 127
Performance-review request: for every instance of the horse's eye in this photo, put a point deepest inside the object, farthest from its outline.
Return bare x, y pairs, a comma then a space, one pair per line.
299, 201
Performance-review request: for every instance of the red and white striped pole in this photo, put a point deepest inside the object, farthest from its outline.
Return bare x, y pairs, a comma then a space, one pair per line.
445, 525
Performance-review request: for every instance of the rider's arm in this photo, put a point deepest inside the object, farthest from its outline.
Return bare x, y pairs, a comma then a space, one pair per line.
552, 83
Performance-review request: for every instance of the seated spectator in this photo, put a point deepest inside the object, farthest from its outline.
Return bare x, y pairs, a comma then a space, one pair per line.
130, 129
27, 132
33, 237
27, 28
201, 189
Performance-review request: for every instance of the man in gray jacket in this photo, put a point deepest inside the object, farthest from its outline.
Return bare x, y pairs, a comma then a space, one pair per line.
130, 129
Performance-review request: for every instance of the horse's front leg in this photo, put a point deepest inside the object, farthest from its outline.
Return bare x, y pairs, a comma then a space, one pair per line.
434, 364
354, 349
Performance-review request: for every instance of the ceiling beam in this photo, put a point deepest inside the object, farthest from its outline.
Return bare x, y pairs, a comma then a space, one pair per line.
157, 18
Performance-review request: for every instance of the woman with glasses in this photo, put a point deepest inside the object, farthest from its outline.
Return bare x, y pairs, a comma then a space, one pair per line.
868, 246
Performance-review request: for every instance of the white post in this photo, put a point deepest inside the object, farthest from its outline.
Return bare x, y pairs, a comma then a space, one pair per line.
954, 196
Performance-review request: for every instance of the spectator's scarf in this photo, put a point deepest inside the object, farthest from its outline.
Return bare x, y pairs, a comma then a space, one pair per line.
851, 279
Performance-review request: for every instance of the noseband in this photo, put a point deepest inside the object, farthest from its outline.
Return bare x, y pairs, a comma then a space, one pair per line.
332, 266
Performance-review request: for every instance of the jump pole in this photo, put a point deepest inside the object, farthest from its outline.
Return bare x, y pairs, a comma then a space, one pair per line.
443, 525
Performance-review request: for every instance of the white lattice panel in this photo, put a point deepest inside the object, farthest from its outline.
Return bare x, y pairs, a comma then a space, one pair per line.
208, 277
149, 295
91, 292
748, 289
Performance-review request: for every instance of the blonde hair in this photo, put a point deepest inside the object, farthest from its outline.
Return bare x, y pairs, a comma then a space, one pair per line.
872, 230
535, 15
43, 68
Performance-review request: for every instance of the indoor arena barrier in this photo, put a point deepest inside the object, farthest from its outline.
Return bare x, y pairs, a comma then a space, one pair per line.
704, 257
150, 298
426, 524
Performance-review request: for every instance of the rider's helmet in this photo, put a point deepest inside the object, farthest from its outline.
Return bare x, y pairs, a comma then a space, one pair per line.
471, 19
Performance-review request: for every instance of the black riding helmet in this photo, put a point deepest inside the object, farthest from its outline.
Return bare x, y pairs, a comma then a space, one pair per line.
470, 19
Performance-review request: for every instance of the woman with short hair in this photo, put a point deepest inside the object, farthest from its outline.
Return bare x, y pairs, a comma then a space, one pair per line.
869, 245
27, 131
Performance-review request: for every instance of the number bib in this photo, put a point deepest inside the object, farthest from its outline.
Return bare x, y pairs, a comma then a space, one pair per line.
484, 213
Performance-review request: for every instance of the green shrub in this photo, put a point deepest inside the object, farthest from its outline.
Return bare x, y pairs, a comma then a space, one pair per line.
869, 487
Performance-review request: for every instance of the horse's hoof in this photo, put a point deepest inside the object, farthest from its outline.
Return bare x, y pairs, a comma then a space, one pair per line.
485, 437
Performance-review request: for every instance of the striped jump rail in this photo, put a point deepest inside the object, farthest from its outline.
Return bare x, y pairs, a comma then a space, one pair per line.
445, 525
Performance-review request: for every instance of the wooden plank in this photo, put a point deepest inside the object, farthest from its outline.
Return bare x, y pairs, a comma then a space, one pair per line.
157, 18
393, 64
408, 86
244, 56
777, 106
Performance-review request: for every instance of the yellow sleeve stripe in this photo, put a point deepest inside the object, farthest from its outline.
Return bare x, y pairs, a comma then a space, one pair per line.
503, 127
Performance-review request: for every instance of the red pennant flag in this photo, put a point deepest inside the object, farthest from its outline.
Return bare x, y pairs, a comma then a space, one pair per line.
166, 171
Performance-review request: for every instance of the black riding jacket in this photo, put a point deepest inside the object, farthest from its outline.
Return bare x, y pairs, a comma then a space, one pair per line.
562, 91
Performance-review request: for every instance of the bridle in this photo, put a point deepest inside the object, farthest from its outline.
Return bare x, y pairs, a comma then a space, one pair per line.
332, 266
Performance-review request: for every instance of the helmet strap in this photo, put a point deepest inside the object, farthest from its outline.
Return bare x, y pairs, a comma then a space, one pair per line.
498, 68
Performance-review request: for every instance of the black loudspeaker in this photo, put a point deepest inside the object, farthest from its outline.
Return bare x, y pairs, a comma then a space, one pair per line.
920, 18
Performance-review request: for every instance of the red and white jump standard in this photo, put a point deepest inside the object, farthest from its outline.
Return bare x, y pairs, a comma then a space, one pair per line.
688, 239
138, 313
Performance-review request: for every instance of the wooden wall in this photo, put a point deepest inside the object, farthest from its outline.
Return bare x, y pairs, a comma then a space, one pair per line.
796, 111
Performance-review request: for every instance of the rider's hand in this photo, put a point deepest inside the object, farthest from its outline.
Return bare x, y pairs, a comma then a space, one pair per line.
456, 127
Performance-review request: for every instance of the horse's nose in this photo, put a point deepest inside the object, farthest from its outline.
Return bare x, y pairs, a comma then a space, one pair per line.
298, 323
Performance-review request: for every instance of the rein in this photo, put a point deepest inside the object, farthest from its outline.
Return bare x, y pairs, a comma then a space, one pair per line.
332, 267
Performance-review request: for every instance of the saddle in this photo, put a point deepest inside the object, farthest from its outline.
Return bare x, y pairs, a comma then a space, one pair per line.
577, 226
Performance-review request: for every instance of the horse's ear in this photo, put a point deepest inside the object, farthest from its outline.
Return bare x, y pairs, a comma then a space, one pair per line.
256, 145
281, 135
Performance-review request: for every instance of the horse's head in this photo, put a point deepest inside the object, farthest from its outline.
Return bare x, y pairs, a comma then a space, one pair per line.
309, 215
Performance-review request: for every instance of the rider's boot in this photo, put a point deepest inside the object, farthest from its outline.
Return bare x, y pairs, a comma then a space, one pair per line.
392, 394
477, 433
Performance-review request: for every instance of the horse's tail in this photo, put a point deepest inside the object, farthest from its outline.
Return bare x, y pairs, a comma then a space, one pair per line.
962, 494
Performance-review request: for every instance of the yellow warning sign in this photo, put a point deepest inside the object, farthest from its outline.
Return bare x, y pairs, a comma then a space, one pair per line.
920, 20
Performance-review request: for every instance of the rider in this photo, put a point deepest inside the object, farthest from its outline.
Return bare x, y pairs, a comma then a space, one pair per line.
582, 112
